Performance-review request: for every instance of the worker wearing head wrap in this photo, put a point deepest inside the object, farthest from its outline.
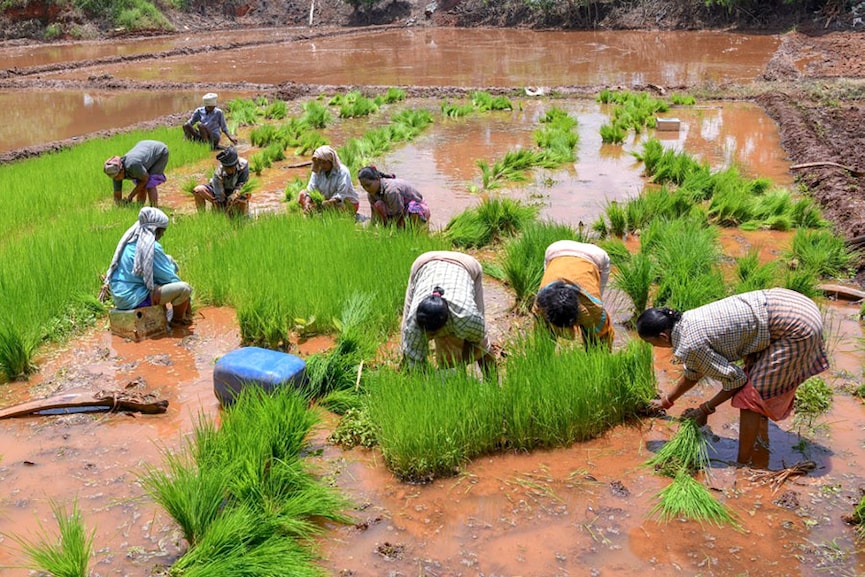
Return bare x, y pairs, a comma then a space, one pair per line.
225, 189
444, 301
144, 165
207, 123
332, 179
141, 274
572, 291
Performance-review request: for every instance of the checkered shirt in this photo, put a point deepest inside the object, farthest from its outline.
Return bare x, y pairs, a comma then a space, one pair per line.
710, 338
466, 319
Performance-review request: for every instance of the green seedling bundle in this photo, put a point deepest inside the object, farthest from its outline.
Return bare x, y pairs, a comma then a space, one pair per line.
687, 498
65, 555
523, 260
241, 493
493, 219
688, 450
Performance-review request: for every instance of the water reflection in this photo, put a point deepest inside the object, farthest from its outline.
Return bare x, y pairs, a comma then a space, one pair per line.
461, 57
57, 115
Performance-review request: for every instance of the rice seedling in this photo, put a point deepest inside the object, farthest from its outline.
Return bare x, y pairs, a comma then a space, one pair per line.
337, 369
491, 220
751, 275
68, 554
802, 280
456, 110
275, 152
523, 260
192, 495
276, 110
484, 101
315, 115
393, 94
858, 517
687, 258
813, 400
618, 219
683, 99
430, 423
244, 112
258, 162
821, 252
805, 214
612, 133
687, 451
263, 135
556, 395
341, 401
16, 352
619, 253
634, 277
600, 226
356, 105
686, 498
308, 142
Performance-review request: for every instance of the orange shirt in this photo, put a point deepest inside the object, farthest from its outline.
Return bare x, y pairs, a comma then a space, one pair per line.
593, 320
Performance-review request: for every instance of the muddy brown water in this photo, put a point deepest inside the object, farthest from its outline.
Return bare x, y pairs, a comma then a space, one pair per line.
582, 510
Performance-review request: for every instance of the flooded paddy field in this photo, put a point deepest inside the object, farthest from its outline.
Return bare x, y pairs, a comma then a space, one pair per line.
583, 510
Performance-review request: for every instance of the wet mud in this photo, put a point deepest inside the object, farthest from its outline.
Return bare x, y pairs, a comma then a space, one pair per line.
583, 510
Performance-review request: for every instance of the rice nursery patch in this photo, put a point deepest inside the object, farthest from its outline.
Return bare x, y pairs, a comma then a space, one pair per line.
290, 285
430, 423
687, 498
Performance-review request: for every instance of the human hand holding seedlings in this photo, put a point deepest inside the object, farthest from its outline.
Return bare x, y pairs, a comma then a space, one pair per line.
698, 415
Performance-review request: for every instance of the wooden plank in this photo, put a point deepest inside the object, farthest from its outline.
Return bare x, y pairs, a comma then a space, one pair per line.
148, 404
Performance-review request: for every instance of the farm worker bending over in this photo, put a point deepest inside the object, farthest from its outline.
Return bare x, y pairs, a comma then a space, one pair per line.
207, 123
445, 301
144, 165
332, 179
572, 291
391, 199
224, 190
141, 274
777, 332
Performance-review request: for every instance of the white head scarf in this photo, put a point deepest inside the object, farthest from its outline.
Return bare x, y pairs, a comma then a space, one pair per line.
143, 231
328, 153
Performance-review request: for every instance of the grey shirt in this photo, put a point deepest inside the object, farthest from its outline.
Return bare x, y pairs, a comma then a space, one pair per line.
146, 158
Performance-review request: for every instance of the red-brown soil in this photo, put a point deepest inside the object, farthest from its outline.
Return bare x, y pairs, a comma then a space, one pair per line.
577, 511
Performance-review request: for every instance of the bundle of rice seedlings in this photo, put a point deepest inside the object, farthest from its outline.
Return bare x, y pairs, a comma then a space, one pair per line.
67, 555
523, 261
456, 110
612, 134
802, 280
683, 99
635, 277
243, 111
484, 101
315, 115
276, 110
687, 451
263, 135
393, 94
16, 352
687, 498
822, 252
491, 220
752, 275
